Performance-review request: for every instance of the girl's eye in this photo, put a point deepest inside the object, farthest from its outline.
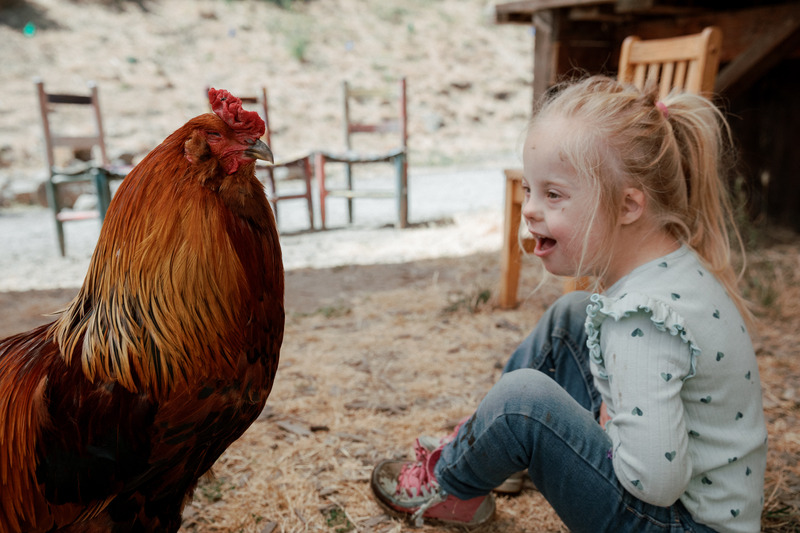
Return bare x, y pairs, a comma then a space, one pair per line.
552, 195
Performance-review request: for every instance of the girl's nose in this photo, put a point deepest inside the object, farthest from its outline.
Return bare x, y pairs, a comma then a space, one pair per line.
531, 209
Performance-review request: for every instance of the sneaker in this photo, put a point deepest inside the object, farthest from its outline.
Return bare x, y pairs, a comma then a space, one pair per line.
410, 490
431, 443
512, 485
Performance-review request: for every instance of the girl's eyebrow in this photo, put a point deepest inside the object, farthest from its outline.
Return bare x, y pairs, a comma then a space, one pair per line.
555, 183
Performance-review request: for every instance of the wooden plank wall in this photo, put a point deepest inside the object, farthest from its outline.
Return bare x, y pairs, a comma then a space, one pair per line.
764, 120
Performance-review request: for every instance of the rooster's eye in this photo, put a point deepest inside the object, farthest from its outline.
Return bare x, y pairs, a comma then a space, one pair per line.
214, 134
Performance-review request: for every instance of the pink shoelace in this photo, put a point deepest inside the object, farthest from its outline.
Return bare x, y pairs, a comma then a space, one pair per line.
416, 478
419, 475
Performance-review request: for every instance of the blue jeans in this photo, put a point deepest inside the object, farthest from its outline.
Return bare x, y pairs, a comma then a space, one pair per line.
542, 415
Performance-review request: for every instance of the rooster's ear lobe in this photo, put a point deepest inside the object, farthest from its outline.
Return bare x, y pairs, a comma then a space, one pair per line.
187, 153
195, 148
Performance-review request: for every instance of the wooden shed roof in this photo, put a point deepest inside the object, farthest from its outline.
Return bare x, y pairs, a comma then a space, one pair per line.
757, 34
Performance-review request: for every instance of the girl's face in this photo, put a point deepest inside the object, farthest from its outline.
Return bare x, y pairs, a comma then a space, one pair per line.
558, 204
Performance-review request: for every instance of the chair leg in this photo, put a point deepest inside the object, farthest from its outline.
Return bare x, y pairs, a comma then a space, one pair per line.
103, 188
52, 200
348, 172
577, 284
402, 191
309, 201
319, 170
511, 254
273, 193
62, 248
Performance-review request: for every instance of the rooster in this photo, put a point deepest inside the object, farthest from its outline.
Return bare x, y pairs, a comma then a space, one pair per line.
110, 414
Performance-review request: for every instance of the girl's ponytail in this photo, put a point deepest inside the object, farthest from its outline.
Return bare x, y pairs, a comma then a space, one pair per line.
703, 140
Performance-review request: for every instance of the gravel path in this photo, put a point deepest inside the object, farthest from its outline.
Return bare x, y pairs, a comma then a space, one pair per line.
453, 213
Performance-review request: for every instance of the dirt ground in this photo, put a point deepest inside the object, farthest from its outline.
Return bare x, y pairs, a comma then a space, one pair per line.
376, 355
373, 355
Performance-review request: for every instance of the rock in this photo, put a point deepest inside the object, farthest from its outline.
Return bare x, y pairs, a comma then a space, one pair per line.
85, 202
434, 122
7, 157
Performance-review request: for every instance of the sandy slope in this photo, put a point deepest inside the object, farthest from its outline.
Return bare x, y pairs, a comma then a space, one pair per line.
469, 79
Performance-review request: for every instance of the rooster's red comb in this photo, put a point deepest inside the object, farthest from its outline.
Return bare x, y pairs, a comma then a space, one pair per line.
229, 108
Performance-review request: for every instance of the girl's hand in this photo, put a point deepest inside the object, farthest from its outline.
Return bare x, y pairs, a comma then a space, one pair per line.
604, 417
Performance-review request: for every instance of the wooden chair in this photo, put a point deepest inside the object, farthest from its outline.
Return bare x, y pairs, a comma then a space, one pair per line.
688, 63
394, 127
511, 254
58, 111
297, 168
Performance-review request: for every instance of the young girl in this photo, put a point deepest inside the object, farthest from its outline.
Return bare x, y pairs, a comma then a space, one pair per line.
629, 190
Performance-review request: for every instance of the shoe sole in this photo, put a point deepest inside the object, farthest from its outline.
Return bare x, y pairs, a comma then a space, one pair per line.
406, 515
429, 521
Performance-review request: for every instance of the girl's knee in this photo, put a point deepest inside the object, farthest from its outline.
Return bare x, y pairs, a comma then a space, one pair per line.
520, 389
522, 378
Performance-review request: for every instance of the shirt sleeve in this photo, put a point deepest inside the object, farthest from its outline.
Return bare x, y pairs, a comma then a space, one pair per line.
646, 367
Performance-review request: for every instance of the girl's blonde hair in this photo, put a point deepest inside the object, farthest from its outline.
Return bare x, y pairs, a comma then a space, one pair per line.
674, 151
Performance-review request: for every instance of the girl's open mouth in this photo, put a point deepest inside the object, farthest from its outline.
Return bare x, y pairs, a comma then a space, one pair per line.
543, 245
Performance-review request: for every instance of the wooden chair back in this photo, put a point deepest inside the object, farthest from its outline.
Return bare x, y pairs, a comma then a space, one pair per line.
60, 113
260, 104
51, 104
394, 123
688, 63
297, 168
376, 119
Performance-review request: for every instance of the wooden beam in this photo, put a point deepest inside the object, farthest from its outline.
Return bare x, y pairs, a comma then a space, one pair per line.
767, 50
755, 39
545, 52
522, 12
656, 7
634, 5
740, 28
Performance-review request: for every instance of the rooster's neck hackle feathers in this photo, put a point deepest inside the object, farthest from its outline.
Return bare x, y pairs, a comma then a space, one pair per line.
183, 254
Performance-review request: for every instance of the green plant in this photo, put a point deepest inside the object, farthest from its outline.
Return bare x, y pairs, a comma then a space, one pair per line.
213, 489
336, 518
750, 230
393, 14
760, 283
469, 301
298, 42
283, 4
334, 311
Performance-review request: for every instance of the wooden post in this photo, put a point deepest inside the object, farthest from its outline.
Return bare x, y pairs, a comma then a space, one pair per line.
545, 50
511, 255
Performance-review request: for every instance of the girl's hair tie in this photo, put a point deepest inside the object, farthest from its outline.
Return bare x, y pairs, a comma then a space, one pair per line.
663, 108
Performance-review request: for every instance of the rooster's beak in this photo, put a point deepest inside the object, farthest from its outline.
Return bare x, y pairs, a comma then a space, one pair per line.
260, 150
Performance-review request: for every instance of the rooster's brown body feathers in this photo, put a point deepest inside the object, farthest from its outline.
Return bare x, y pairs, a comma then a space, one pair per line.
109, 415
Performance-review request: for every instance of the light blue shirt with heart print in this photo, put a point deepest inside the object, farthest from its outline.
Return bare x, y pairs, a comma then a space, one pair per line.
675, 365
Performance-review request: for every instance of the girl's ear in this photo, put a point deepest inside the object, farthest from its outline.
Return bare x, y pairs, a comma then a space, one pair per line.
632, 205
